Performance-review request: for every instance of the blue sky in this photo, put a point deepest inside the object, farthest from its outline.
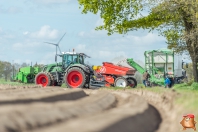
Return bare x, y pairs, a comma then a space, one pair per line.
26, 24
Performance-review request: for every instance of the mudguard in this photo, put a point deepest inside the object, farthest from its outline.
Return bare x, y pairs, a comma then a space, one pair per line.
85, 68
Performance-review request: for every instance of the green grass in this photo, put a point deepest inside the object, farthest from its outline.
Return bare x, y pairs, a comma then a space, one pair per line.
187, 94
63, 85
187, 97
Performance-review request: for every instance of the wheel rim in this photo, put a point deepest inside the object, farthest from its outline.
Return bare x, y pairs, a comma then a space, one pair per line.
74, 79
42, 79
131, 83
121, 83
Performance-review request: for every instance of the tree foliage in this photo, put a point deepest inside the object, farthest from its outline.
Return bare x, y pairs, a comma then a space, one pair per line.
175, 19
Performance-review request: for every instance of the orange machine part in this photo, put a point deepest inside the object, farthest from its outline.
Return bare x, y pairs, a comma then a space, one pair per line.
109, 79
111, 69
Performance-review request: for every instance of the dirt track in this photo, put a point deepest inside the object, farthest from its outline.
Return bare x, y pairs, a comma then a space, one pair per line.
55, 109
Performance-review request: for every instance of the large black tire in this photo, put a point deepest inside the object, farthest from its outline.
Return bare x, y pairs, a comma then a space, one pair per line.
120, 82
30, 78
52, 82
43, 79
87, 85
75, 78
132, 82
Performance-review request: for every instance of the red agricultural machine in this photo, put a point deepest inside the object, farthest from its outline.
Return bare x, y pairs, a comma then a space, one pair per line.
113, 75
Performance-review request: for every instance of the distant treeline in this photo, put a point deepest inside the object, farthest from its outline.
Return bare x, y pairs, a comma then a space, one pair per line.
7, 69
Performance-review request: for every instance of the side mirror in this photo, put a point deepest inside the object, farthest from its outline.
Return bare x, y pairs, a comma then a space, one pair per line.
186, 65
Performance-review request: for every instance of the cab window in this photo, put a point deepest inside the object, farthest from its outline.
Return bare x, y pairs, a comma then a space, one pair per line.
80, 59
69, 59
75, 59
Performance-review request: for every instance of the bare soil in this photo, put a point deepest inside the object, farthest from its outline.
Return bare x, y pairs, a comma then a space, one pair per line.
55, 109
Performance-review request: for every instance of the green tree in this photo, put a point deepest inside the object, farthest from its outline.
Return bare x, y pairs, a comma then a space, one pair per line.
16, 67
24, 64
174, 19
38, 65
1, 69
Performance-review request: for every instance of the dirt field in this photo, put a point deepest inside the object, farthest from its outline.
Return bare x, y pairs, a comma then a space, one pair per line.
55, 109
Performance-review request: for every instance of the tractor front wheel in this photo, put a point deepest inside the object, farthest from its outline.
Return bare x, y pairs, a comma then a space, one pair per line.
120, 82
43, 79
75, 78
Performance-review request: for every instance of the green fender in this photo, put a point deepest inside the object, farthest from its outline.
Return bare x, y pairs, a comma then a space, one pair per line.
86, 69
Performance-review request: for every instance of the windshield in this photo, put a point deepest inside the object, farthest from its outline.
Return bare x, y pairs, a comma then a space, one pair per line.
70, 58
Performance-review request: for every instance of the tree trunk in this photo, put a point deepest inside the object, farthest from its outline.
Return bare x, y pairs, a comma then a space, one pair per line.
195, 70
192, 43
192, 48
6, 78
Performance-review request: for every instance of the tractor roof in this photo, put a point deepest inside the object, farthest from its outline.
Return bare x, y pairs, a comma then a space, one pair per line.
74, 53
168, 51
69, 53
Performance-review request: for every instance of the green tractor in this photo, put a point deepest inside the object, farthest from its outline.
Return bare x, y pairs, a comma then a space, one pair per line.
71, 70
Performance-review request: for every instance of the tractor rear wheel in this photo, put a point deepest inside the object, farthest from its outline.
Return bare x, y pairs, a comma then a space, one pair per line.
120, 82
132, 82
75, 78
43, 79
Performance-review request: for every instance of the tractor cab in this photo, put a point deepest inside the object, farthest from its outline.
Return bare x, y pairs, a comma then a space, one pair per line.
73, 58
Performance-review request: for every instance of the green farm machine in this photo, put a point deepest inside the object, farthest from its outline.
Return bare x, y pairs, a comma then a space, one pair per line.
160, 64
26, 74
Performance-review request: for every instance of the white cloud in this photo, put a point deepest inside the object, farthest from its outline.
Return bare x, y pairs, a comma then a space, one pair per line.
25, 33
46, 32
25, 46
110, 54
93, 34
82, 33
17, 45
81, 47
10, 10
150, 38
48, 58
97, 54
14, 10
